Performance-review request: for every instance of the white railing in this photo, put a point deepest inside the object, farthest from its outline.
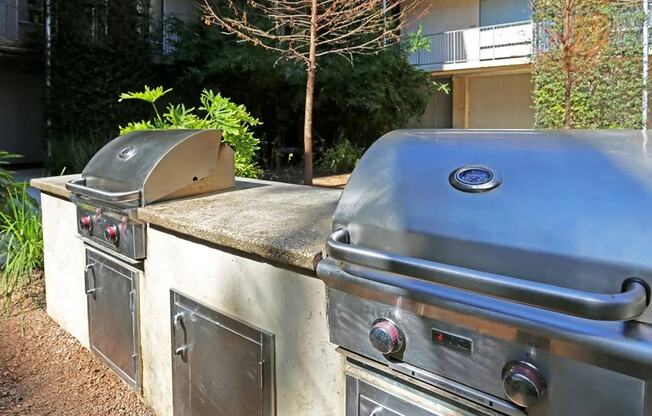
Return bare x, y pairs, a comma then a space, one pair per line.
9, 19
511, 40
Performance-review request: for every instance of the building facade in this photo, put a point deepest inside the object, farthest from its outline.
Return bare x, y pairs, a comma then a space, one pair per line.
21, 78
482, 48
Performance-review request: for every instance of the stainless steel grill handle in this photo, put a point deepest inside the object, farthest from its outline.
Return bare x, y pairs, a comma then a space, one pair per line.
628, 304
78, 186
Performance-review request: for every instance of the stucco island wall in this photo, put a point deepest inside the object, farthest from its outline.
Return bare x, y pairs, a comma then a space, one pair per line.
248, 253
290, 305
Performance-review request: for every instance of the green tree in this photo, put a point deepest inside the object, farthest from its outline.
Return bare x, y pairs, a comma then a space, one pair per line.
588, 63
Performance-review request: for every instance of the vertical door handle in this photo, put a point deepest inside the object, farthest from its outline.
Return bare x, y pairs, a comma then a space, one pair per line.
178, 323
89, 283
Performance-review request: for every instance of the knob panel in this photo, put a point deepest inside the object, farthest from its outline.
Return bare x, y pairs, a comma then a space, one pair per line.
386, 337
523, 384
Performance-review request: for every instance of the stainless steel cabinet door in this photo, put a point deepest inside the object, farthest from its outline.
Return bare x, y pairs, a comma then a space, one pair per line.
111, 290
221, 367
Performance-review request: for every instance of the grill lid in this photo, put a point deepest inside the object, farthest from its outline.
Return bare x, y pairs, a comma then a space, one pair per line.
563, 208
142, 167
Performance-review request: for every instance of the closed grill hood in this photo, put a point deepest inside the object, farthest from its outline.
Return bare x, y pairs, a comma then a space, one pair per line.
568, 209
143, 167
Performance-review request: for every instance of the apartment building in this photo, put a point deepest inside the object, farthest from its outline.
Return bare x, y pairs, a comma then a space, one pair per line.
482, 48
21, 78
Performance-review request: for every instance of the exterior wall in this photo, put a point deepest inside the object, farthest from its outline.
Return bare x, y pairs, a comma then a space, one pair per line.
64, 267
309, 373
184, 9
21, 112
438, 113
495, 12
501, 101
443, 15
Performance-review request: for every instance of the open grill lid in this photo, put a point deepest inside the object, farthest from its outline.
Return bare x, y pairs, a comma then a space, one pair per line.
550, 209
142, 167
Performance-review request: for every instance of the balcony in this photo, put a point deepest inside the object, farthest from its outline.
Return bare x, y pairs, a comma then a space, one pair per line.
502, 44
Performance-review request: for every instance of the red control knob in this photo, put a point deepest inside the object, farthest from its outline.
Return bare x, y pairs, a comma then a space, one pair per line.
86, 223
111, 234
386, 336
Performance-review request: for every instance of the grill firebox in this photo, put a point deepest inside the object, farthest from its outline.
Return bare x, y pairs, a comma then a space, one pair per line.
509, 268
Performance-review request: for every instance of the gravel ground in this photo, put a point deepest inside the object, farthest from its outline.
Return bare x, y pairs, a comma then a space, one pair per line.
45, 372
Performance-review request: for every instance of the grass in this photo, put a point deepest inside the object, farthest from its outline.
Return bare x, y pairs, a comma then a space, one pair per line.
22, 246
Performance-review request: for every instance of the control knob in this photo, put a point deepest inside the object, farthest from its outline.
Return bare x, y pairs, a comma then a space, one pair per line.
386, 336
523, 383
86, 223
111, 234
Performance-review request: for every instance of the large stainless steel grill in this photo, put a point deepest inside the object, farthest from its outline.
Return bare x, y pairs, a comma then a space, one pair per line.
509, 269
135, 170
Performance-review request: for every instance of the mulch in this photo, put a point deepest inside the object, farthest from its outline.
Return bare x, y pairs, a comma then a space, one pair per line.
44, 371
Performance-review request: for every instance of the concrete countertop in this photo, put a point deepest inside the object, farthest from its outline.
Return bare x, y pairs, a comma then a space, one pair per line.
55, 185
283, 223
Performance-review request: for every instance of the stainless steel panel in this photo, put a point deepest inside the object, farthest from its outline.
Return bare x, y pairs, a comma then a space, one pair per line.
565, 213
221, 366
131, 232
350, 318
157, 162
111, 287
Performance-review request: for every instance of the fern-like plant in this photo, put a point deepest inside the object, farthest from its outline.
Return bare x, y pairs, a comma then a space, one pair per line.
215, 112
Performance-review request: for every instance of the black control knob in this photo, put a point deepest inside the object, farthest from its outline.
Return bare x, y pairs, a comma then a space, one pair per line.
523, 383
386, 336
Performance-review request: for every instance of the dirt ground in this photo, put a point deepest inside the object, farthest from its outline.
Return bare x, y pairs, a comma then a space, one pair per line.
45, 372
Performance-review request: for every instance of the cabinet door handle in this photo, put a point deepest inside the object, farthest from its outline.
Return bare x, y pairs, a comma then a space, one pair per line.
178, 322
88, 283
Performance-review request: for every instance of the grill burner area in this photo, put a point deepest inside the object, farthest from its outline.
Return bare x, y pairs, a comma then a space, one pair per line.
507, 271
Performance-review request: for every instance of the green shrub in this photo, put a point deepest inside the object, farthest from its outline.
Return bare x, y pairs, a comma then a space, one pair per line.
342, 157
6, 177
22, 243
217, 112
359, 97
72, 153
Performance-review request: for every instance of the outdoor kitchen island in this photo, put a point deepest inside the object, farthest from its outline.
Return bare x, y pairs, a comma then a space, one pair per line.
238, 262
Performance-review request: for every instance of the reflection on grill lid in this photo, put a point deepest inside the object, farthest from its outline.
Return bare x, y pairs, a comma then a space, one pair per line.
567, 208
157, 164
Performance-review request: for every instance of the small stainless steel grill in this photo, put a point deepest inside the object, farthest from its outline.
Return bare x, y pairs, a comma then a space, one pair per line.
134, 170
509, 269
141, 168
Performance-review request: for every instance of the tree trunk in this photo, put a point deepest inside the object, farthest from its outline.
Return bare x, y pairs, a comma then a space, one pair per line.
568, 45
310, 93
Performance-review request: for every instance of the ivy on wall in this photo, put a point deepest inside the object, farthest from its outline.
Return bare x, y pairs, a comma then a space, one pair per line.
588, 64
98, 49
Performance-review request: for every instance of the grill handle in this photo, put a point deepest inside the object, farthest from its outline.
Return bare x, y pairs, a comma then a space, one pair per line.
78, 186
628, 304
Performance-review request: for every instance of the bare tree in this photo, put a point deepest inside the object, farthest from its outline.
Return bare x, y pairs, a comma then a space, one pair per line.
306, 30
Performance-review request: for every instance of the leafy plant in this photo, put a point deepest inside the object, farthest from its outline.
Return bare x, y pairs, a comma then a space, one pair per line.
22, 246
417, 41
588, 64
216, 112
341, 157
6, 176
72, 153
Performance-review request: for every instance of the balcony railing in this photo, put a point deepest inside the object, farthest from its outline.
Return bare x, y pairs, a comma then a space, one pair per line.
511, 40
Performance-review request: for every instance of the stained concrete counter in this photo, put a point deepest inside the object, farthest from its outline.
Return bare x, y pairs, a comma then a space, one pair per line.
54, 185
282, 223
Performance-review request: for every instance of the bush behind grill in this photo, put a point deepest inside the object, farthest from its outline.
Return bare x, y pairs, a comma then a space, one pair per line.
219, 112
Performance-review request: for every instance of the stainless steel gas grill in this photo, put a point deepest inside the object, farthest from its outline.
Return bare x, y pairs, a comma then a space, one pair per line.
495, 272
135, 170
